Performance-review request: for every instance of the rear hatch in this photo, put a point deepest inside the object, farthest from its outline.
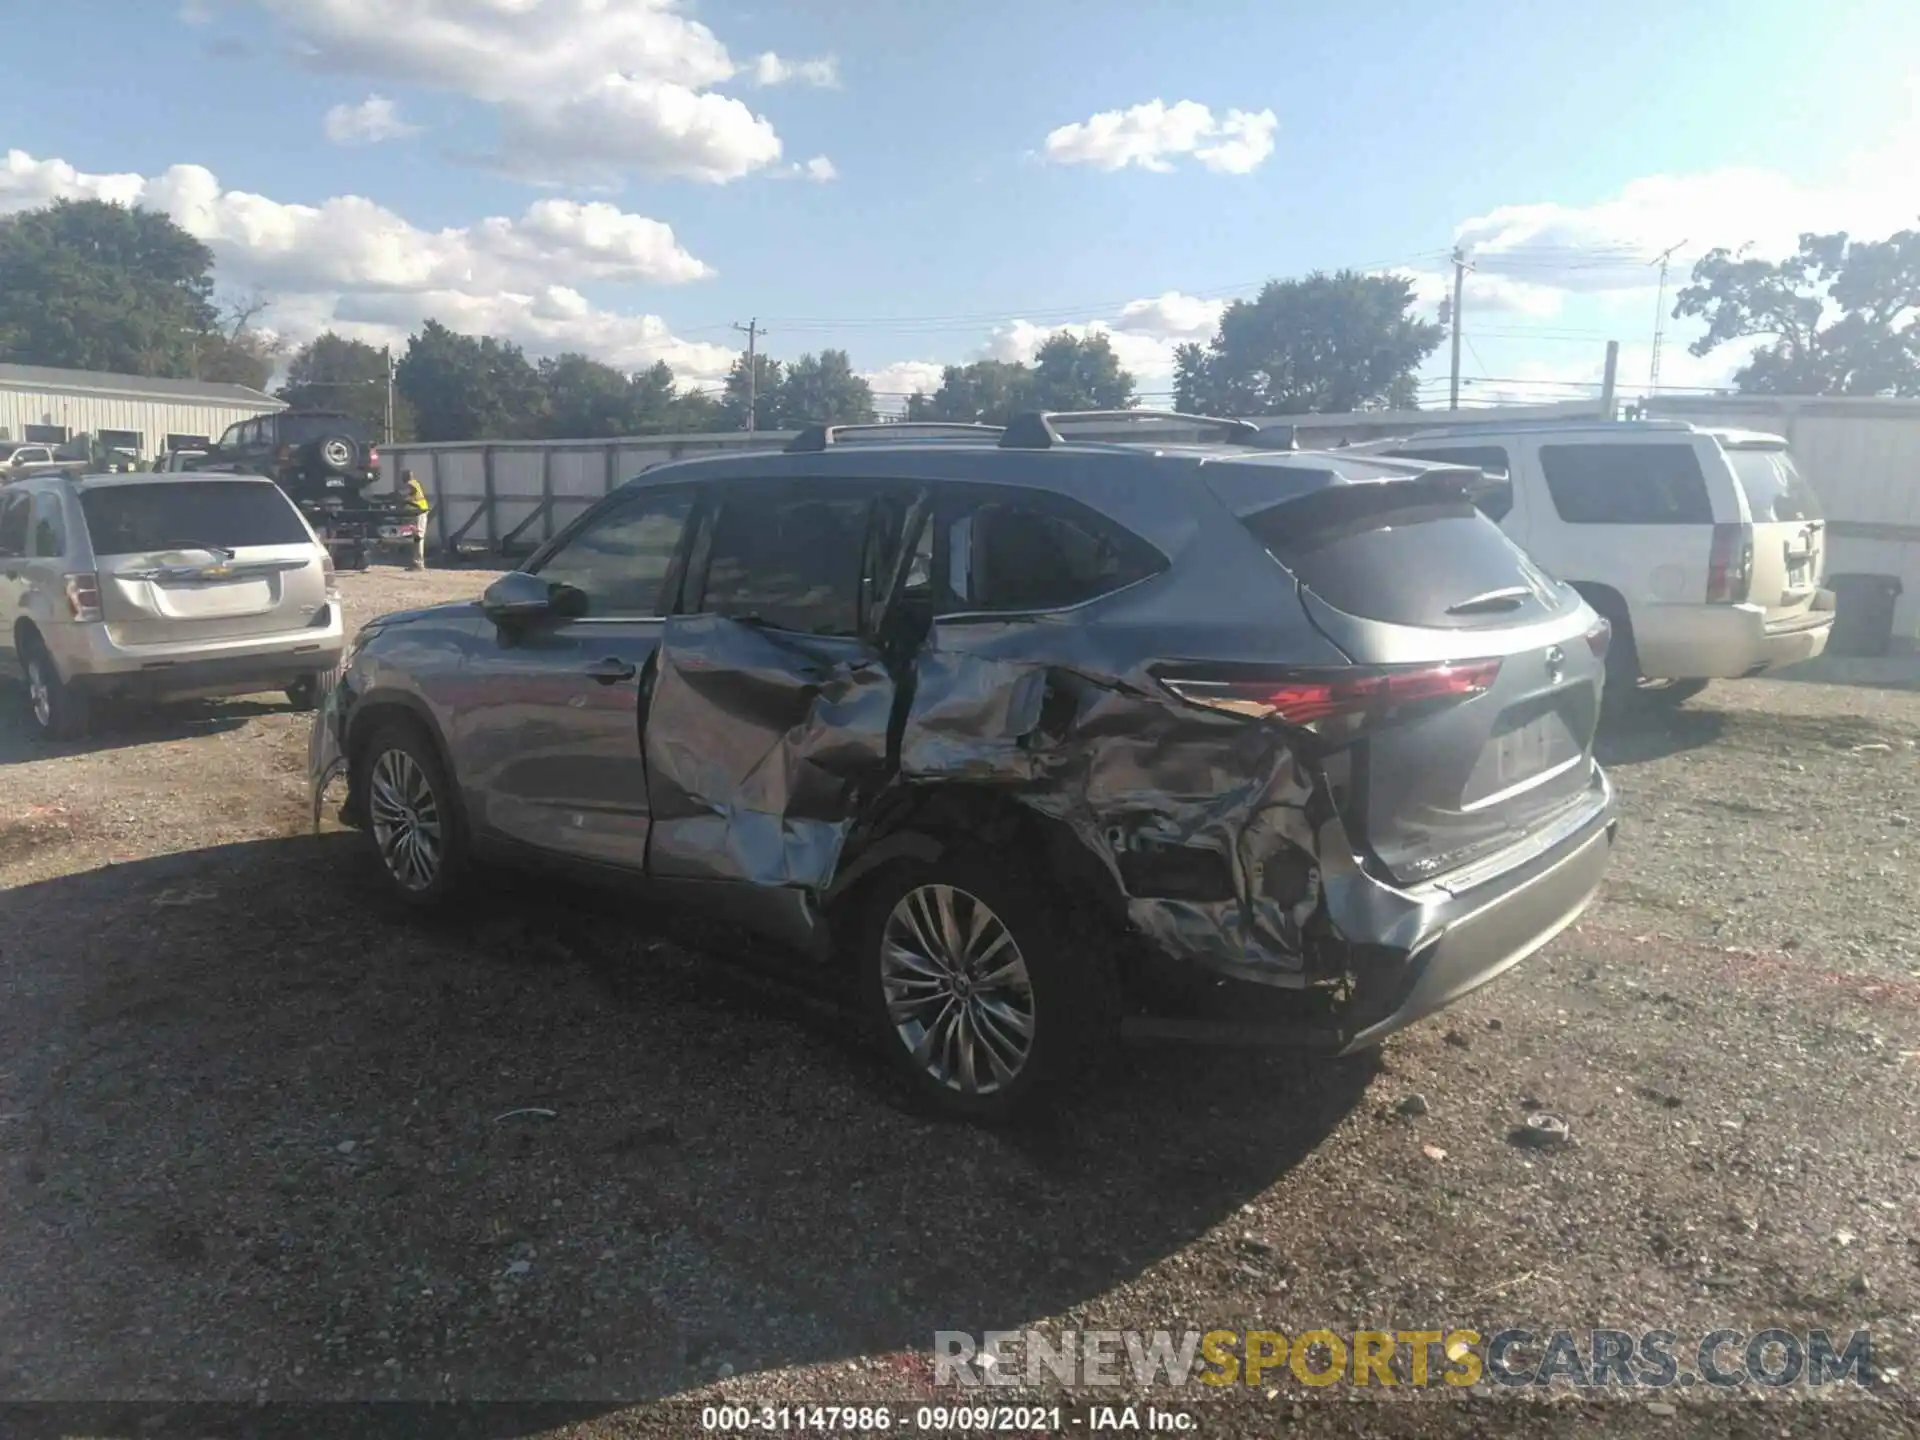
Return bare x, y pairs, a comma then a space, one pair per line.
1489, 673
1789, 532
182, 561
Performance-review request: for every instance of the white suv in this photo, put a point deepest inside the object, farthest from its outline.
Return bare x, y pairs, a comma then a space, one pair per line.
1705, 548
160, 587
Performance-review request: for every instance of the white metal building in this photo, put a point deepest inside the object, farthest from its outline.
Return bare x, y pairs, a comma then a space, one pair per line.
131, 412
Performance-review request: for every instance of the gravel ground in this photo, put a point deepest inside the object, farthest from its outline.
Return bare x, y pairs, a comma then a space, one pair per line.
263, 1137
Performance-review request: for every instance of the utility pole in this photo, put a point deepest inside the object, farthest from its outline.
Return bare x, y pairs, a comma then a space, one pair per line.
1608, 379
753, 332
1663, 259
1460, 268
389, 397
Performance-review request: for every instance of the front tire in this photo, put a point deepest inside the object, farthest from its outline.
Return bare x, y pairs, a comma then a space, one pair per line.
975, 989
412, 819
54, 710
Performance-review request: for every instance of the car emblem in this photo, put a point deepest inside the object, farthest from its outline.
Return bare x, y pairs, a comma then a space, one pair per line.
1556, 664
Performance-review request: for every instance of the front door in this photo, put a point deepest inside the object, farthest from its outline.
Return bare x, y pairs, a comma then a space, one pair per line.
15, 529
548, 740
769, 727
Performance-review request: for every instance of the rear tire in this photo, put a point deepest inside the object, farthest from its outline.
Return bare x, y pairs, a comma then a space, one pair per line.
975, 987
419, 841
54, 710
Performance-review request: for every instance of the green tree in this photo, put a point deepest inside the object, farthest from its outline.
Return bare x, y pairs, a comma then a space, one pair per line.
655, 400
585, 400
1841, 316
696, 412
89, 285
1071, 373
766, 375
822, 390
987, 392
463, 388
1328, 343
331, 372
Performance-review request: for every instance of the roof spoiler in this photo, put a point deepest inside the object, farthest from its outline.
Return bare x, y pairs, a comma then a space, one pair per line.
818, 437
1037, 430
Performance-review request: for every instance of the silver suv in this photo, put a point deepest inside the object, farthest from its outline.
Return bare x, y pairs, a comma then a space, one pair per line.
159, 587
1103, 723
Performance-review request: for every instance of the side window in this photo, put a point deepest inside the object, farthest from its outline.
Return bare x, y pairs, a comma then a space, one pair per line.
49, 526
1497, 499
1020, 554
620, 560
229, 438
1626, 484
13, 525
793, 561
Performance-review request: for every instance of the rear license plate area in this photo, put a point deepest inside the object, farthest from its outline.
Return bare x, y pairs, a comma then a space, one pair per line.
1529, 741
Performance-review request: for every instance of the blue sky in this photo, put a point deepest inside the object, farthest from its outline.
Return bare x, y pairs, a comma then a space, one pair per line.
629, 177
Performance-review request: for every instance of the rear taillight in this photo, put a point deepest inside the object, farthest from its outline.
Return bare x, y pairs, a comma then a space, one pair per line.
1311, 697
1600, 637
83, 595
373, 456
1730, 565
331, 575
286, 452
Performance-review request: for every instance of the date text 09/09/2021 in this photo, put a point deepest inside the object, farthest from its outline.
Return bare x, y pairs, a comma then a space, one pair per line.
943, 1419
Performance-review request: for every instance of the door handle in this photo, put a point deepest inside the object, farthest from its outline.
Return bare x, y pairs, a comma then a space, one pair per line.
611, 670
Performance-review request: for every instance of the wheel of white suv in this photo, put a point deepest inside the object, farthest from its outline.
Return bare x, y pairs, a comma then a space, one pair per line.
410, 814
54, 710
307, 692
974, 989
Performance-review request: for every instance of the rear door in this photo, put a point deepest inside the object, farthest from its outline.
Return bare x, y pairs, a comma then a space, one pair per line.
1489, 671
185, 561
16, 511
769, 725
1789, 549
546, 723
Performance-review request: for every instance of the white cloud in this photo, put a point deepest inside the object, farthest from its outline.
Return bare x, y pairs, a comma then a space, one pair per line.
903, 377
583, 88
1610, 245
351, 263
1153, 134
772, 69
374, 119
1485, 292
626, 123
820, 170
1171, 316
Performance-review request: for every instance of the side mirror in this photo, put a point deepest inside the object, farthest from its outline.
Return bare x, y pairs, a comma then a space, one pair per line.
518, 596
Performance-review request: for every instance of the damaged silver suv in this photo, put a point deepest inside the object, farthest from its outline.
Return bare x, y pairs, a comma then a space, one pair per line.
1101, 724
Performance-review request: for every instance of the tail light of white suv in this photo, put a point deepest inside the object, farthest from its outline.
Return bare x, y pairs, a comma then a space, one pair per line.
1730, 565
83, 595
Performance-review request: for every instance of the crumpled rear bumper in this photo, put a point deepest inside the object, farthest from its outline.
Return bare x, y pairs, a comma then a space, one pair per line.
1487, 931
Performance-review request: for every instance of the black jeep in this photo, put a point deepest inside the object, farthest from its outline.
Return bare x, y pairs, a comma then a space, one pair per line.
316, 456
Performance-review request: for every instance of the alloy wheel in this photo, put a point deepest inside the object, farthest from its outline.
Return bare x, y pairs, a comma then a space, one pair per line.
957, 989
406, 819
39, 693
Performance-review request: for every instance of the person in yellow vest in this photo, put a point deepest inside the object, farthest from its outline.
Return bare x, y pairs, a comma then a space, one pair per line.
416, 505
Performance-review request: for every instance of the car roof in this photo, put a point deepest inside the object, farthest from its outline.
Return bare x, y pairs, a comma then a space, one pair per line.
165, 477
973, 460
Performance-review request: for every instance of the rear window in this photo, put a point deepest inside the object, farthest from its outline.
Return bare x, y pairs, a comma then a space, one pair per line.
131, 519
1626, 484
1775, 489
1406, 554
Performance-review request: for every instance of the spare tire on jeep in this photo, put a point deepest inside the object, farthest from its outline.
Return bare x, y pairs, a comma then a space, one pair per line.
336, 453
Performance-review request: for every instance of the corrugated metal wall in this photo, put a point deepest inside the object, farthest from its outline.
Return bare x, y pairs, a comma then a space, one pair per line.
511, 496
153, 419
1863, 457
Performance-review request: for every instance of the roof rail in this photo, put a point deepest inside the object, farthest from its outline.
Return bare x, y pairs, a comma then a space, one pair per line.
819, 437
1037, 430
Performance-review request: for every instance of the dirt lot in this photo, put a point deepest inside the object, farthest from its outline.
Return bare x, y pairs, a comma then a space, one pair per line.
262, 1137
